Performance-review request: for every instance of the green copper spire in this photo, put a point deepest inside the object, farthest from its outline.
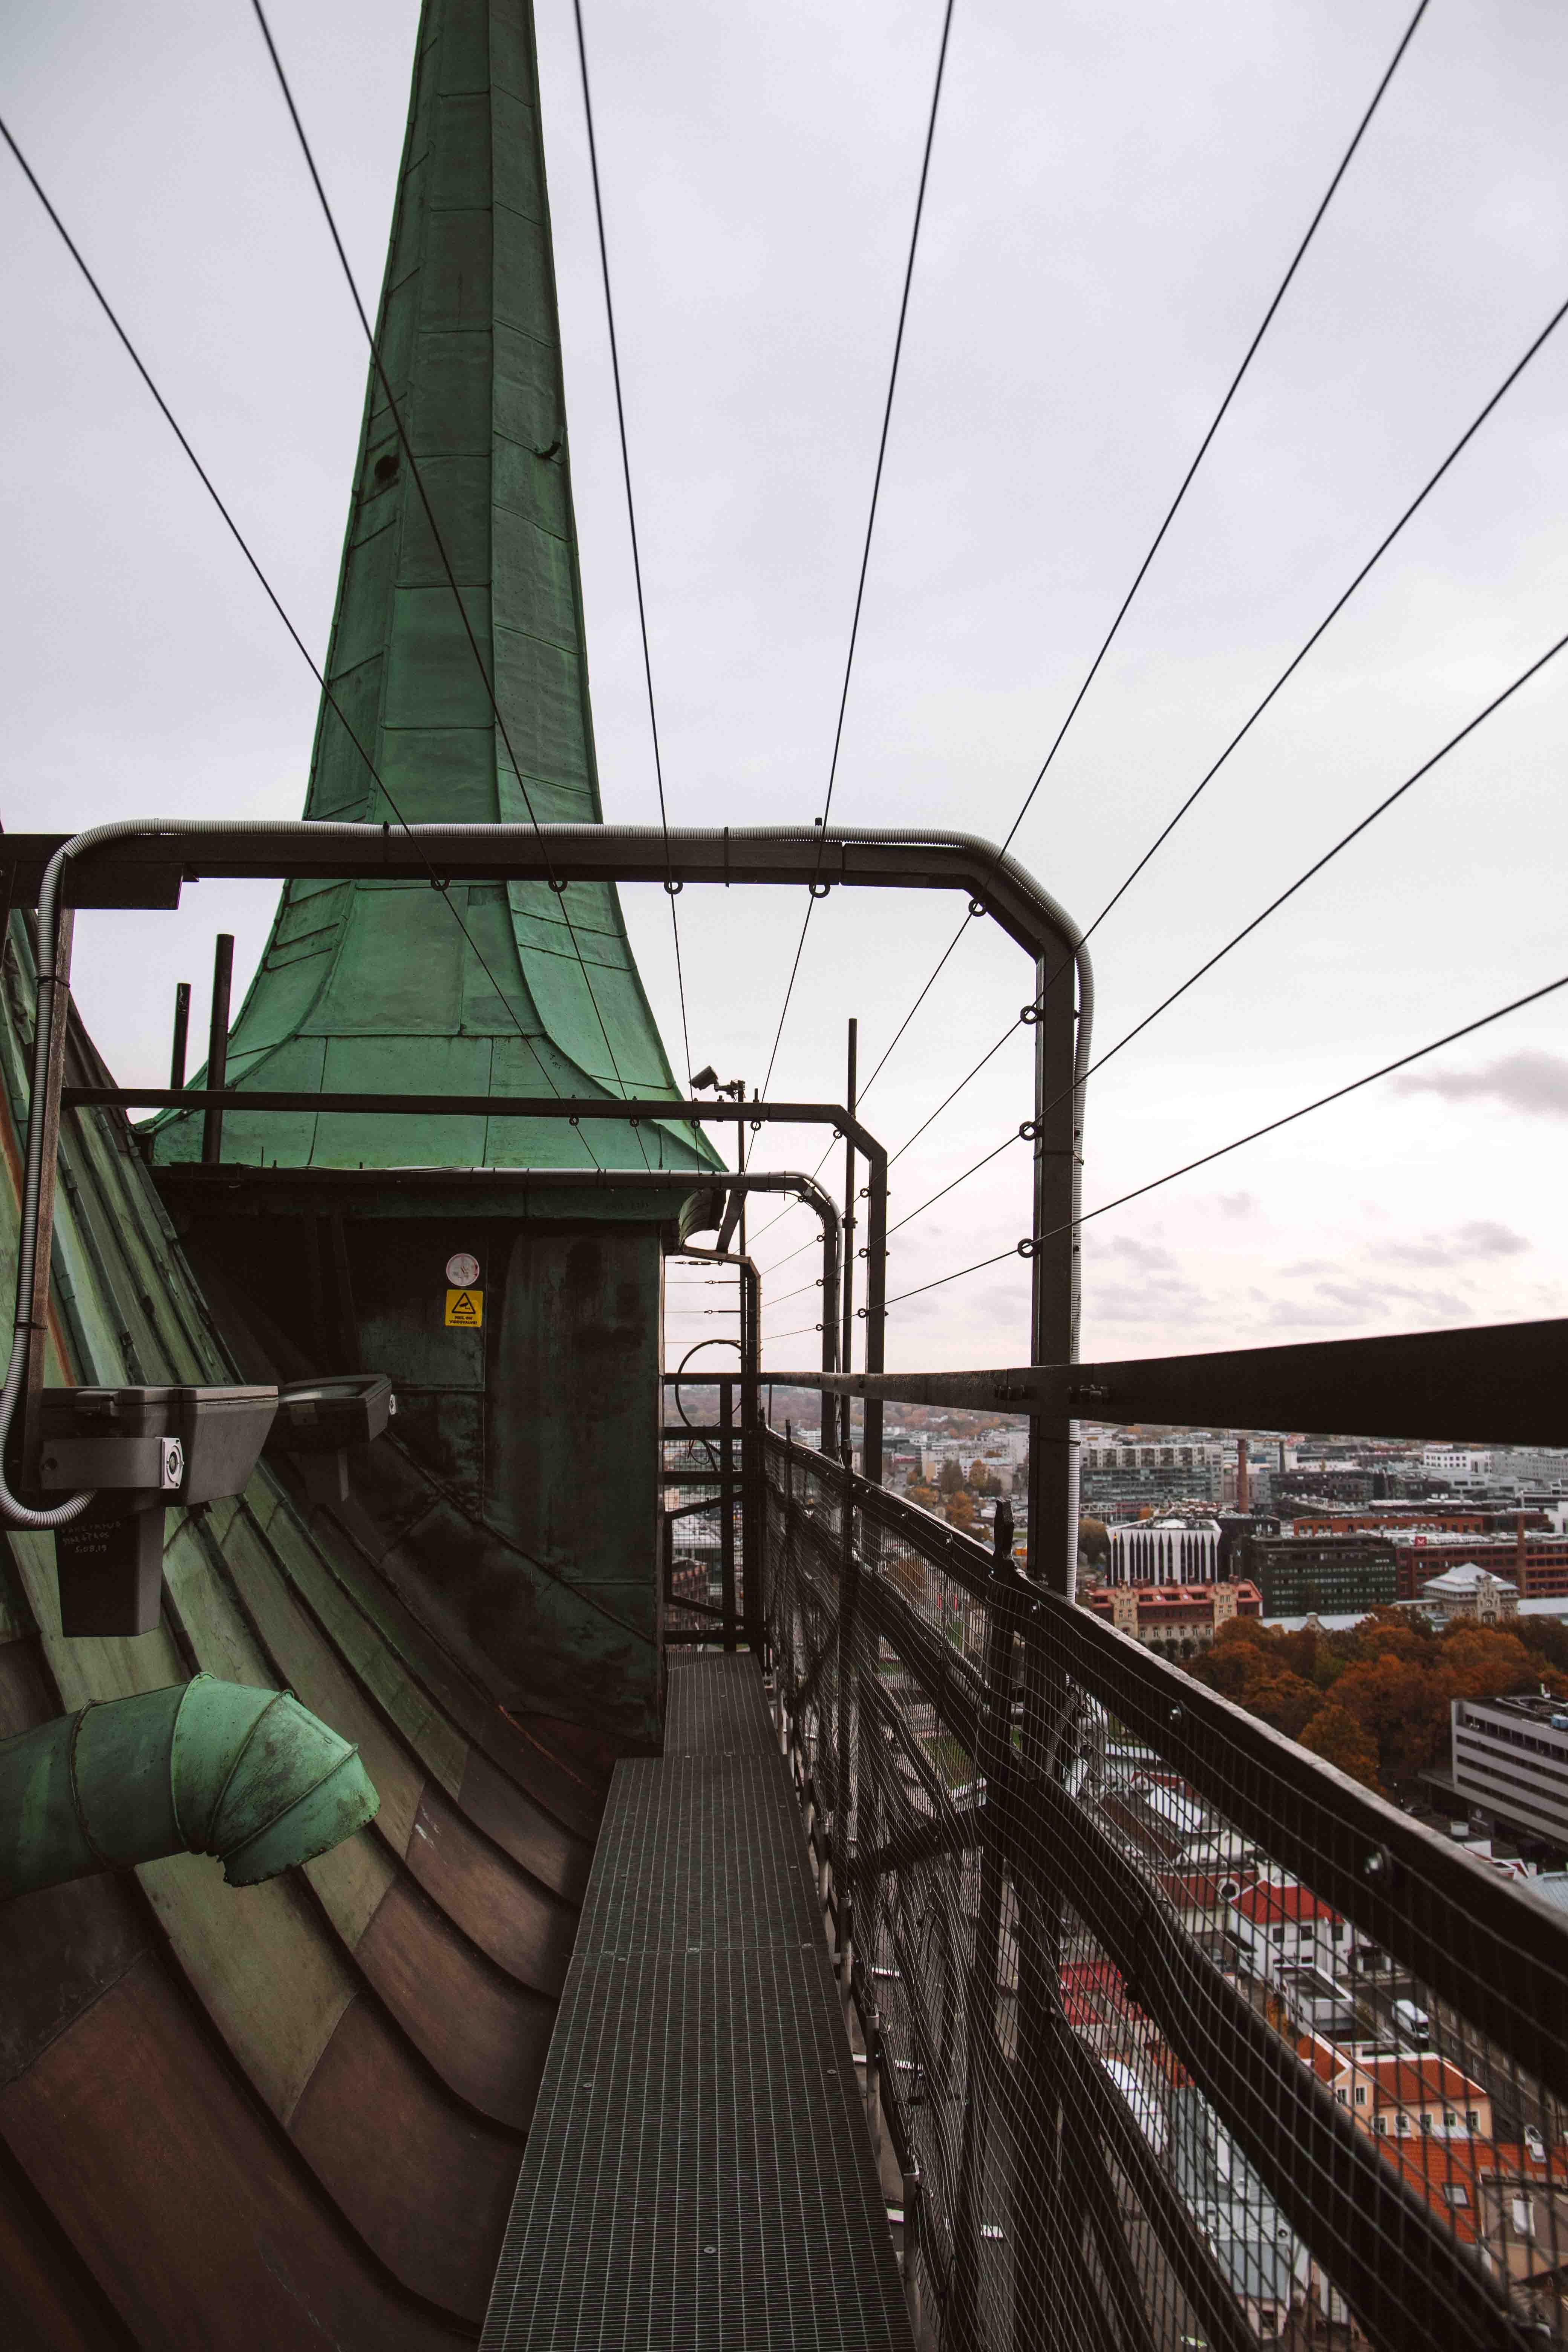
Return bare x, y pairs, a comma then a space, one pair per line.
371, 986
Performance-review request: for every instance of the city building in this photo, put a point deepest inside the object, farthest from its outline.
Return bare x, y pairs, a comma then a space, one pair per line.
1277, 1926
1299, 1575
1536, 1565
1176, 1619
1509, 1760
1508, 1468
1469, 1591
1401, 2094
1168, 1550
1120, 1476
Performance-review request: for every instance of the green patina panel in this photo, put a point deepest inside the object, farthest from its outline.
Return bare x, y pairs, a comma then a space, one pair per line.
373, 986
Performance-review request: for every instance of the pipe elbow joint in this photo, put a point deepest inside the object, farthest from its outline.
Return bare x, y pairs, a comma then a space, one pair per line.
205, 1766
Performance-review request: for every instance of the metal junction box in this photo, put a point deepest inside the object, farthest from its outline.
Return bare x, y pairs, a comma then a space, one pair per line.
138, 1449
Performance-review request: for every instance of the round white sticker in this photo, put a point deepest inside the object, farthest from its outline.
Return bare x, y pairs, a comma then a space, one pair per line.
462, 1269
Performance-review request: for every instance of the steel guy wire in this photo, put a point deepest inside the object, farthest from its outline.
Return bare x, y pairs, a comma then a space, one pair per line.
270, 592
1288, 672
870, 526
1258, 921
670, 884
1172, 511
440, 544
1036, 1241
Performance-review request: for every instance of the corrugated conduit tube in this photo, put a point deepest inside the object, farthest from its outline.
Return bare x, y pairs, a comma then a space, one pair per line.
205, 1767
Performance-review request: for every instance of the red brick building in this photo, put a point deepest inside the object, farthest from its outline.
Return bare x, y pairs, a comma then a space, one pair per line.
1178, 1619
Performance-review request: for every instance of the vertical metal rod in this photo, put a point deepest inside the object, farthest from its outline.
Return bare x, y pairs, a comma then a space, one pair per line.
1042, 2195
48, 1110
851, 1225
829, 1327
753, 1543
727, 1508
1054, 1303
217, 1045
182, 1035
875, 1312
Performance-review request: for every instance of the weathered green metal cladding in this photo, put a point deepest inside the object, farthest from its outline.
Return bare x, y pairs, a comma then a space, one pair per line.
371, 985
205, 1766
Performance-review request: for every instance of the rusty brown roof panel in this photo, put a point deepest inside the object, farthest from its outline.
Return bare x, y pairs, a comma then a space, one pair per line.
196, 2218
524, 1929
51, 2298
485, 2034
427, 2189
533, 1838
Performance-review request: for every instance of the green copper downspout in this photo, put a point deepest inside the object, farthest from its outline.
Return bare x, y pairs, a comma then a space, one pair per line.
205, 1767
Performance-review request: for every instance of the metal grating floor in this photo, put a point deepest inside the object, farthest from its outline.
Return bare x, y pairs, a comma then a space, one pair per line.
699, 2171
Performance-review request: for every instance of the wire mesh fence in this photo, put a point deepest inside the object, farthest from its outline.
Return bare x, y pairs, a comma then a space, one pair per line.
1181, 2039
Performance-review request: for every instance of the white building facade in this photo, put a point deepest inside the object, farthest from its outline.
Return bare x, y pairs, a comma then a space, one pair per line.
1165, 1551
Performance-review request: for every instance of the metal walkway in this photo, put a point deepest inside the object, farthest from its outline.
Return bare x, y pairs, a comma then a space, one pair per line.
699, 2171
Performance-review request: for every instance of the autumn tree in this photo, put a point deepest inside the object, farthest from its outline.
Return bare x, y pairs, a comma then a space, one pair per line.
1287, 1701
1403, 1707
926, 1497
1486, 1663
1334, 1734
950, 1478
961, 1511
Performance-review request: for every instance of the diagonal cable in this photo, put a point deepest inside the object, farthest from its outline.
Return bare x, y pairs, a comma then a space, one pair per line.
242, 544
1258, 708
1222, 1151
870, 526
670, 884
1185, 484
1247, 931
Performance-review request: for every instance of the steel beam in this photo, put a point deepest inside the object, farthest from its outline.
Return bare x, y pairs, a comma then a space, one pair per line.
1501, 1383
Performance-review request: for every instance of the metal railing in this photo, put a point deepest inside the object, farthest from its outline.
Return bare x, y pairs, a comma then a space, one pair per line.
1179, 2038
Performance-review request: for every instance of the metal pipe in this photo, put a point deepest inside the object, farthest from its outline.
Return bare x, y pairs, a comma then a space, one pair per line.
205, 1766
632, 1108
850, 1223
182, 1035
30, 1339
160, 852
217, 1047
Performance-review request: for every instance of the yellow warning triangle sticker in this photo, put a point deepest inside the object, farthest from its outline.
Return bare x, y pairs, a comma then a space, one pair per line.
465, 1309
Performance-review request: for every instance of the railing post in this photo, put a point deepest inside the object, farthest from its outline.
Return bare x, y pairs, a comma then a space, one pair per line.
844, 1776
727, 1510
847, 1277
181, 1032
58, 1014
753, 1538
1054, 1284
217, 1045
1039, 2190
982, 2054
831, 1253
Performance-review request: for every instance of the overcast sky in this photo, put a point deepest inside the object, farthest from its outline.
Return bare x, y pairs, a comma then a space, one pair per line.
1116, 189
